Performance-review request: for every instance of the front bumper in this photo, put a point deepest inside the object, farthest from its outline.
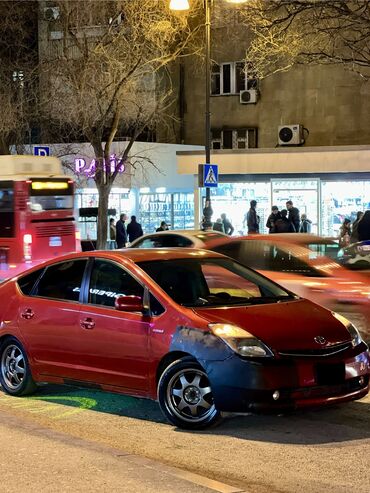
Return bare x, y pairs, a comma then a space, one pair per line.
241, 385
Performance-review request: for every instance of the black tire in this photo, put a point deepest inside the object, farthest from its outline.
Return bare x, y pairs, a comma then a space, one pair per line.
185, 396
15, 374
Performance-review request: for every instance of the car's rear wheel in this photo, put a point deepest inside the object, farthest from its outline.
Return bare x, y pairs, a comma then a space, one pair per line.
185, 395
15, 373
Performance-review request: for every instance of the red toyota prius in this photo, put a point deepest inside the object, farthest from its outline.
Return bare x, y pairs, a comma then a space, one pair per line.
194, 329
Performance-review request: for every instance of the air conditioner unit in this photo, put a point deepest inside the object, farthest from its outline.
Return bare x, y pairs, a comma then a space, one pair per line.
248, 96
290, 135
51, 13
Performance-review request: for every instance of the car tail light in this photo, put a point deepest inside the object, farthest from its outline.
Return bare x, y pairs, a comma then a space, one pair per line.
27, 247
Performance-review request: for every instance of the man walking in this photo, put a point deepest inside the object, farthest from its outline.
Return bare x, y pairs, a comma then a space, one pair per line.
121, 233
293, 215
228, 227
252, 218
134, 230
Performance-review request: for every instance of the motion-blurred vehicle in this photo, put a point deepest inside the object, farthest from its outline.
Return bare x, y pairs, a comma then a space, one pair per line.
299, 269
194, 329
193, 238
356, 256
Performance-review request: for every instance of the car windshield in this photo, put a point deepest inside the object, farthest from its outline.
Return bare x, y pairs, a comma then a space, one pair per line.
212, 282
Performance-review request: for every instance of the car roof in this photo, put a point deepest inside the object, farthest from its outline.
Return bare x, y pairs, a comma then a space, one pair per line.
135, 255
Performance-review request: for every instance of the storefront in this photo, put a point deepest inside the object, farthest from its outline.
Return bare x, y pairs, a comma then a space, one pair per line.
327, 184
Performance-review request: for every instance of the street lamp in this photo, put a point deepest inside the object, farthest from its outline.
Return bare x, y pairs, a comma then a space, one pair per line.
184, 5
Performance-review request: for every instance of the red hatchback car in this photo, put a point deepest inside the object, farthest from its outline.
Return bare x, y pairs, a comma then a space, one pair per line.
191, 328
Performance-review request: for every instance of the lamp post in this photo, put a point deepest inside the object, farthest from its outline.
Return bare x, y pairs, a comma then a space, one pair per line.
184, 5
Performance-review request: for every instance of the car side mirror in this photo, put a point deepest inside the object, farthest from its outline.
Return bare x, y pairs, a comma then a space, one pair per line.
129, 304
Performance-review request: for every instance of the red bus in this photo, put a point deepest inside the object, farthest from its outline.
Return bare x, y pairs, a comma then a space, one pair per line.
37, 220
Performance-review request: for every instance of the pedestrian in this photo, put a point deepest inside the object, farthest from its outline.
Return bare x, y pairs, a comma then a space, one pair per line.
134, 230
207, 214
228, 227
253, 219
112, 234
121, 233
363, 227
345, 233
162, 227
218, 226
354, 233
273, 217
282, 224
305, 226
293, 215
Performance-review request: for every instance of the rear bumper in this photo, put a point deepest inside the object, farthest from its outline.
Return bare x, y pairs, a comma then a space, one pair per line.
247, 386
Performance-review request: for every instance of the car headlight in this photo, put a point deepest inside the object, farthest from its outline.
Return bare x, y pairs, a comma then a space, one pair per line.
241, 341
354, 333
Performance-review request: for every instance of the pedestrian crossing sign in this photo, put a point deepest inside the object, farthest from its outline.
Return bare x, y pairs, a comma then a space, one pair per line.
208, 175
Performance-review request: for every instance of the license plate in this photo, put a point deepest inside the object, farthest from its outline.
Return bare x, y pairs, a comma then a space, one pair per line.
327, 374
55, 241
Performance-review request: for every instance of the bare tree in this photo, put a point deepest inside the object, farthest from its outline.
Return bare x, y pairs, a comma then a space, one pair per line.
18, 71
290, 32
104, 74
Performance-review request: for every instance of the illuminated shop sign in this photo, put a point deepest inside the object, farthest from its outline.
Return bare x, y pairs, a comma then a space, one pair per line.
88, 168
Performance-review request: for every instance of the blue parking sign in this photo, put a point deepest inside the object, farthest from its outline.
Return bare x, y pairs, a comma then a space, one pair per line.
41, 151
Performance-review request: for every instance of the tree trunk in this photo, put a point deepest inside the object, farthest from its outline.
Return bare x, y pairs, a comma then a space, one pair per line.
4, 147
102, 233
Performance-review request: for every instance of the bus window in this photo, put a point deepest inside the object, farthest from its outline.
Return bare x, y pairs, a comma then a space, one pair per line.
48, 195
6, 209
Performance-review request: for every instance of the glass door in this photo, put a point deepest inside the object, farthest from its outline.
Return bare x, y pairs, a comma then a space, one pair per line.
303, 193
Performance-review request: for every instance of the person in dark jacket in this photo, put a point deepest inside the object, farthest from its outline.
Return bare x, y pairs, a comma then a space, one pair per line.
121, 233
273, 217
253, 219
293, 215
363, 228
218, 226
228, 227
354, 233
305, 226
162, 227
134, 230
282, 224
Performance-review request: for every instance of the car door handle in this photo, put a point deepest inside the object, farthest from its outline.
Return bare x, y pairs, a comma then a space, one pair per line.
27, 314
87, 323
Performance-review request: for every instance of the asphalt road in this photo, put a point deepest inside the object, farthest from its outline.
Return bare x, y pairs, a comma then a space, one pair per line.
322, 451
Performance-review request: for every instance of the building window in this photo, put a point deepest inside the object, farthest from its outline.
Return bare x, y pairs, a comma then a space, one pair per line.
234, 138
231, 78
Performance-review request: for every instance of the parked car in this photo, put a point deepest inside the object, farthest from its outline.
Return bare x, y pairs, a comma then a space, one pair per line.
195, 238
302, 271
191, 328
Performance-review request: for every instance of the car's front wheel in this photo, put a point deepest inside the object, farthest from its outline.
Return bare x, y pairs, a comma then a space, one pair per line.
15, 373
185, 395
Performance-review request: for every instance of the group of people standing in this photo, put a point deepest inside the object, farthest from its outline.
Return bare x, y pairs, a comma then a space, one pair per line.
288, 220
359, 230
121, 234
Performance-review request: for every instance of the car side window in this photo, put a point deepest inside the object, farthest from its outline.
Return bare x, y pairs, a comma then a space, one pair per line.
109, 280
171, 241
26, 283
151, 242
62, 281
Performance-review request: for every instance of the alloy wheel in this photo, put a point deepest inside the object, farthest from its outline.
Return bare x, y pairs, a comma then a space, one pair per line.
13, 367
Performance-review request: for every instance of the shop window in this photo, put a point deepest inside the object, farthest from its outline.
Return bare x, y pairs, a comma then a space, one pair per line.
241, 138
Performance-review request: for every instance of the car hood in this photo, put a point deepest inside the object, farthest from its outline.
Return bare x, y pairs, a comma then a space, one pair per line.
285, 325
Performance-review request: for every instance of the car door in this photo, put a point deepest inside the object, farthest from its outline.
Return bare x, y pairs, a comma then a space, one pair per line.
48, 318
114, 344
